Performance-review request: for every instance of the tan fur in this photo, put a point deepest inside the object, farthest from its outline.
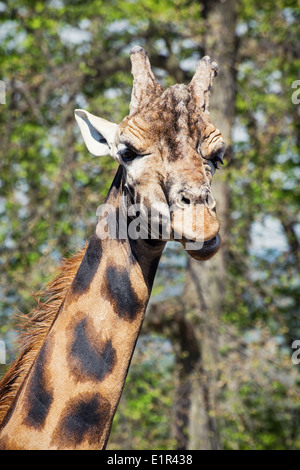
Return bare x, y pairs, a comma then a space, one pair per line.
35, 328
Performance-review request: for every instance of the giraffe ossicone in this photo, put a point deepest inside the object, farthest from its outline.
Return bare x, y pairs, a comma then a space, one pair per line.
63, 390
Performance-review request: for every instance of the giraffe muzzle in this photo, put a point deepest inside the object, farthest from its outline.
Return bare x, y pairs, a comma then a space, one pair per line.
194, 218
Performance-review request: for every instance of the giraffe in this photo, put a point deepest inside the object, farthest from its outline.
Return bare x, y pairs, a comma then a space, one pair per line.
63, 390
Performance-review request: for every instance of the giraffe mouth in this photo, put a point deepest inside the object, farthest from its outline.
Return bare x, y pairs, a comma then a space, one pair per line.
210, 243
208, 249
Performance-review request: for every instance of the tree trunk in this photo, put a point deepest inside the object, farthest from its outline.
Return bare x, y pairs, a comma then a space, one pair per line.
196, 406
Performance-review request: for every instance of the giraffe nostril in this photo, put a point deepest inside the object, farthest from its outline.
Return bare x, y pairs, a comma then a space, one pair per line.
210, 202
193, 197
185, 200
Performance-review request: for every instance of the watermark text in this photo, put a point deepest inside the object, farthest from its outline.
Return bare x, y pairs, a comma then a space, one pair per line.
158, 222
2, 352
296, 94
296, 354
2, 92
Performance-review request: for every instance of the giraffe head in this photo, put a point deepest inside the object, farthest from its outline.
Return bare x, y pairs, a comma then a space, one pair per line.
169, 151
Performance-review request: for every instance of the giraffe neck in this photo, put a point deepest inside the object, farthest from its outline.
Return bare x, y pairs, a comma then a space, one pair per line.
71, 393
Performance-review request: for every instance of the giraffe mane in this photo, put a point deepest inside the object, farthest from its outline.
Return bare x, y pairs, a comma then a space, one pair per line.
36, 326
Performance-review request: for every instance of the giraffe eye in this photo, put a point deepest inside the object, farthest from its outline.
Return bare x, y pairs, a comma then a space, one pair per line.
128, 155
215, 159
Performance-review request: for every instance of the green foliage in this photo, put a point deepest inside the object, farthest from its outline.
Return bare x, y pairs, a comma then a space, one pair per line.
145, 412
263, 419
265, 176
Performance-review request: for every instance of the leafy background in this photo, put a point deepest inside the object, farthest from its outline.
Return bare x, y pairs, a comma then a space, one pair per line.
212, 368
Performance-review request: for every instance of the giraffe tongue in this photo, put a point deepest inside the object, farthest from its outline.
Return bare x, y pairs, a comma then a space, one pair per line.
210, 242
205, 251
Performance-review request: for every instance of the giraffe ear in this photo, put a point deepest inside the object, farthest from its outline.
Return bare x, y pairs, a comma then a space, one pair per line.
98, 134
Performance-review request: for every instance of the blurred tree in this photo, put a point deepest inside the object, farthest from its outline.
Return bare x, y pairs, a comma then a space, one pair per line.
205, 282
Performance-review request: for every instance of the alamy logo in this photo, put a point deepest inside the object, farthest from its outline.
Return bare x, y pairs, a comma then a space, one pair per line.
2, 92
296, 94
159, 222
2, 353
296, 354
